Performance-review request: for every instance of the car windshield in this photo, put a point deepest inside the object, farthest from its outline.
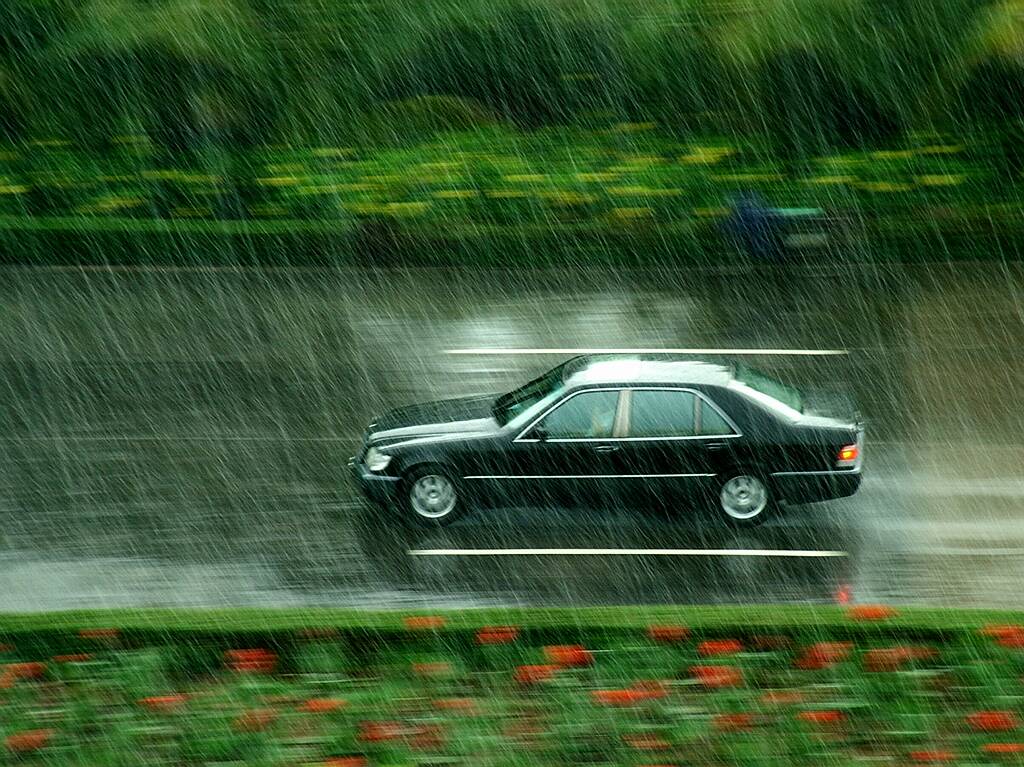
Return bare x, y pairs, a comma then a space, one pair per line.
508, 406
770, 387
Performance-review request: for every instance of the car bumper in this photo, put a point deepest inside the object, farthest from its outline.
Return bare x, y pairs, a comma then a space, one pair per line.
812, 487
377, 488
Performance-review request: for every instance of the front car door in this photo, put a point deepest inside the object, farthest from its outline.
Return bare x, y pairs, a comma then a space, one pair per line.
675, 443
570, 454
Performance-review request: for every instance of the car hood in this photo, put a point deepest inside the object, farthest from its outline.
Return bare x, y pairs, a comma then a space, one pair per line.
464, 416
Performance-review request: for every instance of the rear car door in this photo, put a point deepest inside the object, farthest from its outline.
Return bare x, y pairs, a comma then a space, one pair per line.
676, 441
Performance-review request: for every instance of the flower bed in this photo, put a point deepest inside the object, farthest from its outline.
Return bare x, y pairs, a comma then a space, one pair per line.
638, 687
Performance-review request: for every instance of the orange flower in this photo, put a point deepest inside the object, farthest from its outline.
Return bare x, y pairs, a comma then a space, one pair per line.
668, 634
823, 655
821, 717
714, 647
424, 622
932, 757
77, 658
992, 721
257, 661
1003, 748
322, 705
437, 668
646, 742
871, 613
732, 722
535, 674
463, 705
379, 732
998, 630
163, 704
256, 720
568, 656
1011, 639
32, 670
716, 677
490, 635
894, 658
28, 740
652, 688
104, 633
782, 697
346, 761
627, 697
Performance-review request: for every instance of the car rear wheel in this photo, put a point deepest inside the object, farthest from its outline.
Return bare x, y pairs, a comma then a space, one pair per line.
744, 498
432, 497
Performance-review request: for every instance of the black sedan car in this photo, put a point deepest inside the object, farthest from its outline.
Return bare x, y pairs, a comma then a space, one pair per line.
614, 429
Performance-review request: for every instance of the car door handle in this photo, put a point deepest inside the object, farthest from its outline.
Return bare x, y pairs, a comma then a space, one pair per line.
715, 446
606, 448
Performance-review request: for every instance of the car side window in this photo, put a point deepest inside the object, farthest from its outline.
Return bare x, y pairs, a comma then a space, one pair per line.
590, 415
713, 423
656, 413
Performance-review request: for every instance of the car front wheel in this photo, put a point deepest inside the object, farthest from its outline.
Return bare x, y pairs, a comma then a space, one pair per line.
432, 497
744, 498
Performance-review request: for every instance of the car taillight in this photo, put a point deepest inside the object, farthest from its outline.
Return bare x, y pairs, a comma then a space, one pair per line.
848, 456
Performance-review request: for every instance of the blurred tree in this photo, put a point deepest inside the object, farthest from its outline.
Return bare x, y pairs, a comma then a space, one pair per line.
992, 89
188, 73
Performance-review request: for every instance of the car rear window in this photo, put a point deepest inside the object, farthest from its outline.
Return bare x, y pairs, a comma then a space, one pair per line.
771, 387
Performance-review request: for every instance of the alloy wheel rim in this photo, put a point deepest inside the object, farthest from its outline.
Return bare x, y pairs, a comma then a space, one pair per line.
433, 496
744, 497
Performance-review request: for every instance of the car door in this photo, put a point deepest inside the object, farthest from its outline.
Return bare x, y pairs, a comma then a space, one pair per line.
676, 443
570, 454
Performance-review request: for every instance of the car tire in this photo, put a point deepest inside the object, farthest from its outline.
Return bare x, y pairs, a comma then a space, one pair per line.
431, 497
744, 498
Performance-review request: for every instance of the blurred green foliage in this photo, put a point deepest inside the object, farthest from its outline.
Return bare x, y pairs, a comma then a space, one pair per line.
464, 115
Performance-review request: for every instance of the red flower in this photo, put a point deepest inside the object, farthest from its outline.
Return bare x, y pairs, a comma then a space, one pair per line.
823, 655
668, 634
716, 677
999, 630
424, 622
489, 635
652, 688
719, 647
464, 705
77, 658
26, 670
256, 720
534, 674
379, 732
1003, 748
992, 721
821, 717
163, 704
257, 661
28, 740
871, 613
346, 761
732, 722
932, 757
436, 668
322, 705
1012, 638
568, 656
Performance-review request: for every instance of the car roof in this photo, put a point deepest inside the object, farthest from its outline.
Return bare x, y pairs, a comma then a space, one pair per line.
643, 369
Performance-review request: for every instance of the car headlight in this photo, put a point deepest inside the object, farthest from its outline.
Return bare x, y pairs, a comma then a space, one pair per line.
376, 460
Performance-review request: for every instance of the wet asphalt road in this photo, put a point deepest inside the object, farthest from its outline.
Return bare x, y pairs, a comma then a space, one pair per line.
180, 438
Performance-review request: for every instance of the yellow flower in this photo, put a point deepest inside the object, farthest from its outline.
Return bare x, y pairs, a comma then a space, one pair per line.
634, 127
711, 212
279, 181
948, 179
455, 194
405, 209
883, 186
506, 194
526, 178
631, 214
901, 154
13, 189
588, 178
747, 177
700, 155
942, 149
330, 151
830, 180
628, 191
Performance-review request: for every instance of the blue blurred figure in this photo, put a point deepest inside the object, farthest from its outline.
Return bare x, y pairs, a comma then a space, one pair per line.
755, 227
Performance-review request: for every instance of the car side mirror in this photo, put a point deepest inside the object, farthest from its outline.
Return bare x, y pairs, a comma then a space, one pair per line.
539, 433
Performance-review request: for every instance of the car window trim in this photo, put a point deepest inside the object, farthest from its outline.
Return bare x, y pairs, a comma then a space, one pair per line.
555, 406
628, 390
